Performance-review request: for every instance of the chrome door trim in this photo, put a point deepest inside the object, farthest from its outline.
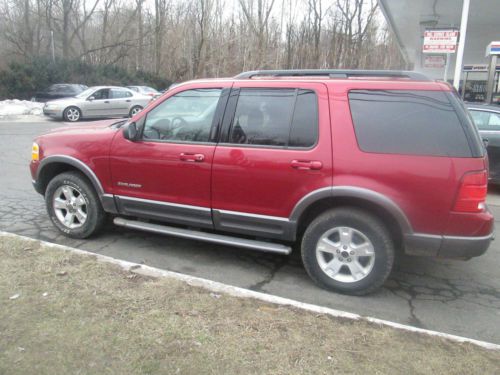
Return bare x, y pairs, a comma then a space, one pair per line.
165, 211
254, 224
186, 206
257, 216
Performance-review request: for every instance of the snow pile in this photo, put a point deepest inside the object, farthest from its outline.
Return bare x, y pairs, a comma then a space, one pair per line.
16, 107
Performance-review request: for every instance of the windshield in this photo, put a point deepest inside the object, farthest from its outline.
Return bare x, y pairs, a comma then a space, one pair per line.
85, 93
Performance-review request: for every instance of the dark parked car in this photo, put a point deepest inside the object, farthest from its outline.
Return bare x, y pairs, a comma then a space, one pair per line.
487, 119
352, 171
58, 91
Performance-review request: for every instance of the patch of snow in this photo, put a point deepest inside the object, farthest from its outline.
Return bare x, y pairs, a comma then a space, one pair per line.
15, 107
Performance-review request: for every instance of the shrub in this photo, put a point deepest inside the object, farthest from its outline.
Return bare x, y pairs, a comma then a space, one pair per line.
21, 80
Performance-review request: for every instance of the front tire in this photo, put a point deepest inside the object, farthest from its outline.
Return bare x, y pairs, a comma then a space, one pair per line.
73, 205
348, 250
72, 114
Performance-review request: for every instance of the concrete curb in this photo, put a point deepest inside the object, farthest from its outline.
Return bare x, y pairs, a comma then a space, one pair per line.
215, 286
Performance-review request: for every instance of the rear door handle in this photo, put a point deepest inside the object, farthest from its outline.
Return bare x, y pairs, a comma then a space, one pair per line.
306, 164
106, 101
128, 100
185, 156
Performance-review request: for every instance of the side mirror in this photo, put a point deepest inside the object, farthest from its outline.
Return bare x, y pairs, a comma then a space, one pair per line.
90, 98
130, 132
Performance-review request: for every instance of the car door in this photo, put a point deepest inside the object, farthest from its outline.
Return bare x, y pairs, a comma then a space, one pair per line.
120, 100
165, 174
97, 104
275, 148
488, 123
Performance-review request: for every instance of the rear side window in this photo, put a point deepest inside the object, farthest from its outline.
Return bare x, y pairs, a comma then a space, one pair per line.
407, 122
119, 94
275, 117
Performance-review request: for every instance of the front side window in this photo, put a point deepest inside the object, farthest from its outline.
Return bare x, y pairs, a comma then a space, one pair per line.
184, 117
407, 122
101, 94
275, 117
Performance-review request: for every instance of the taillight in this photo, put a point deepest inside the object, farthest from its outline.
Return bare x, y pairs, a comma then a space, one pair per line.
472, 193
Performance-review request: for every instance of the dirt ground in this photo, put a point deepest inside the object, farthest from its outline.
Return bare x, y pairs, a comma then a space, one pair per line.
62, 313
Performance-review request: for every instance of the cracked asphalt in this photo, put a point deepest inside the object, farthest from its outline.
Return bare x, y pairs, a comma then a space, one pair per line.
456, 297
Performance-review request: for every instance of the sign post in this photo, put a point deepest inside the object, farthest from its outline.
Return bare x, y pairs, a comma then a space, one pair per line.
446, 67
492, 50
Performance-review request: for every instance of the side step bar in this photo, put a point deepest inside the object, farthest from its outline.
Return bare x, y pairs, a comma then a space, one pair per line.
203, 236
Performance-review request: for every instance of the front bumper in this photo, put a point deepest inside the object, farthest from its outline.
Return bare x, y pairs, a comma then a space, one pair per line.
56, 113
37, 187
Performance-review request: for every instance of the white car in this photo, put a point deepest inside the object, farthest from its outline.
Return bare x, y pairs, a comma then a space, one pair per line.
97, 102
145, 90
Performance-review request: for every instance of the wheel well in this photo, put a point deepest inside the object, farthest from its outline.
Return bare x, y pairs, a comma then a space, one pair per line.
53, 169
322, 205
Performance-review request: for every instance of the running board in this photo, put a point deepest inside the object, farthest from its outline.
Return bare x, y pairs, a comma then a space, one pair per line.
203, 236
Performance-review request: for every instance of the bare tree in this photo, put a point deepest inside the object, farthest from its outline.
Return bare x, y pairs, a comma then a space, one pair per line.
199, 38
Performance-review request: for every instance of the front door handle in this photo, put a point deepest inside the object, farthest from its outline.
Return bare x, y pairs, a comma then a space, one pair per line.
106, 101
128, 100
184, 156
306, 164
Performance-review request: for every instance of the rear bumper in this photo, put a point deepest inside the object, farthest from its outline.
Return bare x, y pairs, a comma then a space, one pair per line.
453, 247
464, 247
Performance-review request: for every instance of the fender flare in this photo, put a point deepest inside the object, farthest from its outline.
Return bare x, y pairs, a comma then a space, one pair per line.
78, 164
107, 200
353, 192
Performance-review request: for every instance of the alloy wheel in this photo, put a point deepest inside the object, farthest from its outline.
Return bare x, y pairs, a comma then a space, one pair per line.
70, 206
345, 254
73, 114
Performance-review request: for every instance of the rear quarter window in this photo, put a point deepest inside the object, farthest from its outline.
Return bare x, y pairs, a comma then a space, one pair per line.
407, 122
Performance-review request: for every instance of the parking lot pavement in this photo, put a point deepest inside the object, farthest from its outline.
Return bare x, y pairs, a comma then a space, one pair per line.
456, 297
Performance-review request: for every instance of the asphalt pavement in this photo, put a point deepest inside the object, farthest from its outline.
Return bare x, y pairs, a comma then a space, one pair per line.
456, 297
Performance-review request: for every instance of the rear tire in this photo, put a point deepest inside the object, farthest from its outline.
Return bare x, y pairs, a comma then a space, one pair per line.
348, 250
73, 205
135, 110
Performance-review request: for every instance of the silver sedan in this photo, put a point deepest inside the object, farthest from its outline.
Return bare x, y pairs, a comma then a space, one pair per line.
97, 102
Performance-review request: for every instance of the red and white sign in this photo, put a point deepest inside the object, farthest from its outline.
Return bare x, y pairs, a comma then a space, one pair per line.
434, 61
440, 41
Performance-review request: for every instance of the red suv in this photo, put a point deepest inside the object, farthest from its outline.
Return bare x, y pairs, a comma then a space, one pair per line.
353, 166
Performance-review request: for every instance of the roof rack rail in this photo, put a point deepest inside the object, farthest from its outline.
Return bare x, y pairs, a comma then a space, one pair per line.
333, 73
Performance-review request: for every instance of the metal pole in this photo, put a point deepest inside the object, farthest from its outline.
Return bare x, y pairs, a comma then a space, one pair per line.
52, 46
446, 67
491, 78
461, 43
464, 84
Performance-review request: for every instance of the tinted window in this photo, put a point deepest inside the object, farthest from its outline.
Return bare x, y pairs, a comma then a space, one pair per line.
263, 117
407, 122
304, 130
275, 117
101, 94
118, 94
184, 117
